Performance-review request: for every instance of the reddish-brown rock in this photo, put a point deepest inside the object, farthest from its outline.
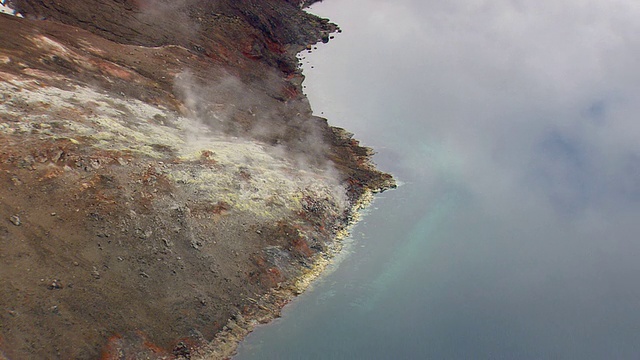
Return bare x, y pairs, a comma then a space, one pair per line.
168, 176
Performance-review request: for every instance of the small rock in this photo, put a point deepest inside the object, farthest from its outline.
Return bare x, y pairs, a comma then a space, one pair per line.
95, 273
57, 156
55, 285
15, 220
182, 350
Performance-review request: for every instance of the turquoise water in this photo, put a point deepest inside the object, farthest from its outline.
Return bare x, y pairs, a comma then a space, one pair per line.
512, 126
362, 294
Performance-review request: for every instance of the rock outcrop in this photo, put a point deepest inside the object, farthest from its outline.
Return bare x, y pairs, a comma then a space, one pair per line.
164, 185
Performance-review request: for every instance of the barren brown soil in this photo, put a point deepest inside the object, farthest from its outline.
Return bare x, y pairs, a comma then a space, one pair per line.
163, 184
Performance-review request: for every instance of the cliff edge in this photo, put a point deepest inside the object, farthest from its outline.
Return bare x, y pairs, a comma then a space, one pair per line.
164, 186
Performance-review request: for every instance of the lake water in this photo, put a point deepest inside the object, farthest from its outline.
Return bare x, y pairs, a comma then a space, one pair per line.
515, 234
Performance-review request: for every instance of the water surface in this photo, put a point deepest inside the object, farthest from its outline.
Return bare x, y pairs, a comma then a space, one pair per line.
515, 235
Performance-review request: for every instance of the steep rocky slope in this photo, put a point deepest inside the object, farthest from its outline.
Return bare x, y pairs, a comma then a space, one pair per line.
163, 184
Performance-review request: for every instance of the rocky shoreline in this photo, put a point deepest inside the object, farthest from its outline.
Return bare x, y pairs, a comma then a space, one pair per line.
269, 306
164, 186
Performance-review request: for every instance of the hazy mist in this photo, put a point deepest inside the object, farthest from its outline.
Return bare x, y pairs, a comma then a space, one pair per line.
514, 127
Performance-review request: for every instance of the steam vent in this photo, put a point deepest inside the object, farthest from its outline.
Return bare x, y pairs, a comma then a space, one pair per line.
164, 186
